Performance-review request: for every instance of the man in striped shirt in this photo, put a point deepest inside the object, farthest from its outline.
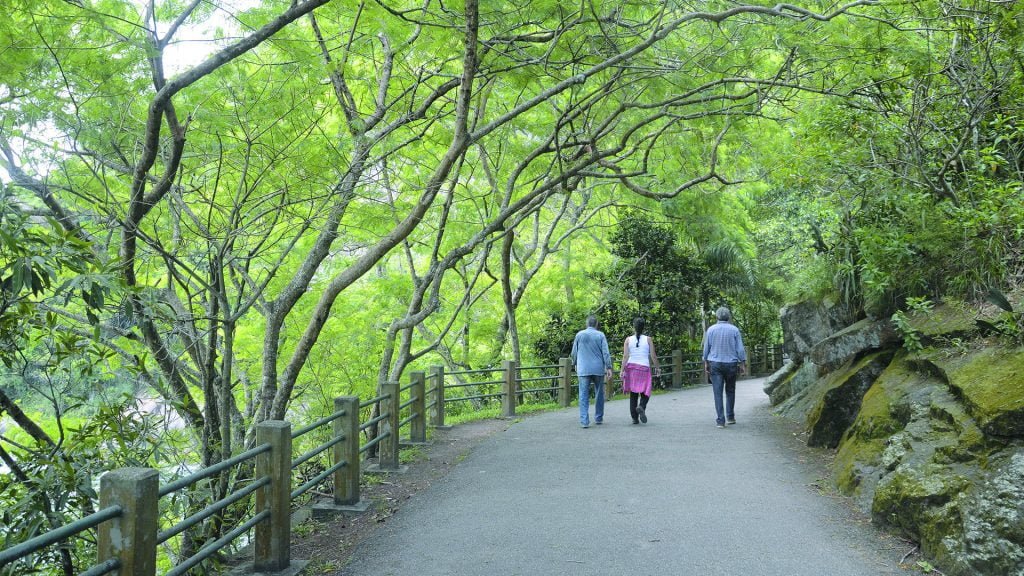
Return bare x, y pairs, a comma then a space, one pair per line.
724, 357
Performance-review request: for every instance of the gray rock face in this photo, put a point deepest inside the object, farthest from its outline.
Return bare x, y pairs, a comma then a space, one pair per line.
993, 524
929, 442
853, 341
781, 375
804, 324
793, 386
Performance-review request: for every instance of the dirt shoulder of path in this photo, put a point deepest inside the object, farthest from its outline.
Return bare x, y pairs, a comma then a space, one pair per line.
329, 543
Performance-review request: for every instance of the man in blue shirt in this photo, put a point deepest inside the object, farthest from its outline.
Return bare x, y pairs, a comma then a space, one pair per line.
593, 364
724, 356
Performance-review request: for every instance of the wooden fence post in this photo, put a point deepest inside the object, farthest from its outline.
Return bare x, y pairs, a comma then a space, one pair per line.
418, 424
273, 536
131, 537
565, 382
438, 416
387, 457
677, 369
346, 479
508, 398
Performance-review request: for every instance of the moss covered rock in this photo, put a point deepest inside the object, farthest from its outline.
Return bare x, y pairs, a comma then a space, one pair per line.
791, 393
799, 378
884, 411
931, 443
991, 383
779, 377
841, 400
993, 523
945, 321
923, 502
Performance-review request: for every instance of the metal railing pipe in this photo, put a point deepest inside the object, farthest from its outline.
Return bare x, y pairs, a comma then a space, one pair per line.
210, 510
316, 480
52, 537
211, 470
318, 450
101, 568
309, 428
212, 548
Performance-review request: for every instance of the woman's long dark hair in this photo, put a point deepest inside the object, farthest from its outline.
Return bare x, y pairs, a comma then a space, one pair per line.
639, 324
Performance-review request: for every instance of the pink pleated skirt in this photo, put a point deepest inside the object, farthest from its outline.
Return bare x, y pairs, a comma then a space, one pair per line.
637, 378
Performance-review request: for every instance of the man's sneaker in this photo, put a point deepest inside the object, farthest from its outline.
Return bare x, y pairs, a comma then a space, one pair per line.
641, 414
720, 425
584, 425
635, 421
599, 422
730, 421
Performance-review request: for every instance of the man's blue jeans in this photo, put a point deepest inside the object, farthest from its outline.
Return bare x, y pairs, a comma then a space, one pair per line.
723, 375
586, 383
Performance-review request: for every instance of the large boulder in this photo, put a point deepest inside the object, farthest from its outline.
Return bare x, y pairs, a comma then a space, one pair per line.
991, 384
780, 376
806, 323
854, 341
796, 395
993, 523
946, 322
841, 398
932, 442
918, 459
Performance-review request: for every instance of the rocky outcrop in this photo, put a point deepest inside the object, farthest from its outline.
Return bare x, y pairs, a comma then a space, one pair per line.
991, 384
841, 400
931, 443
804, 324
772, 382
854, 341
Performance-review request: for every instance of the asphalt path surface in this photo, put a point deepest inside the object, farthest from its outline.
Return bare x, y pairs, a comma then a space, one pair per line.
675, 496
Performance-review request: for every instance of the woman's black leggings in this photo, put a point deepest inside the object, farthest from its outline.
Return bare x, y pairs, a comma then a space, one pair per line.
633, 396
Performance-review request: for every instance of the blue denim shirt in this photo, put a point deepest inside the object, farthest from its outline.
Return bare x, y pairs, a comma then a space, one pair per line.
723, 343
590, 353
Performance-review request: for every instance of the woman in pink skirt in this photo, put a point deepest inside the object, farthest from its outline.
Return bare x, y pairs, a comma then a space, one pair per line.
638, 356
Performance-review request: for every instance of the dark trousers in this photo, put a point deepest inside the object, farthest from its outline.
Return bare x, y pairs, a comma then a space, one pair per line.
633, 398
723, 375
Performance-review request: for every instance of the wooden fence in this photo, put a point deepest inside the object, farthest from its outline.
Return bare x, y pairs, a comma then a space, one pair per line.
128, 527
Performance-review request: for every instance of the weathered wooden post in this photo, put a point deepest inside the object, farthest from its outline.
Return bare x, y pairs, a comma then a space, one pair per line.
418, 424
387, 458
272, 550
131, 537
508, 398
346, 478
565, 382
438, 416
677, 369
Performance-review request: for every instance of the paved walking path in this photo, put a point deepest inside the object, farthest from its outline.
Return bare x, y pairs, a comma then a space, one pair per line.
676, 496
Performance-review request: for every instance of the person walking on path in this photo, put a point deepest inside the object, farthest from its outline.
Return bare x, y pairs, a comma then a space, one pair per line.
638, 356
593, 363
724, 357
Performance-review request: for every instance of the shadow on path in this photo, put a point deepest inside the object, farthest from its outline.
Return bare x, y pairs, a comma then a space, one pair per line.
675, 496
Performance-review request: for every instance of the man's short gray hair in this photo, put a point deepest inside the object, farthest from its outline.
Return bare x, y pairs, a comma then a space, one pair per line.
591, 321
723, 314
